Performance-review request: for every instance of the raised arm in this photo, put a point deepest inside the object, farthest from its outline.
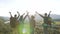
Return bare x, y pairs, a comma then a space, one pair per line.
49, 14
26, 16
23, 14
40, 14
10, 14
18, 14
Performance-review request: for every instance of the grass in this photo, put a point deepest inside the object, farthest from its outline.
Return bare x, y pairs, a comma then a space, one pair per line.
58, 22
25, 28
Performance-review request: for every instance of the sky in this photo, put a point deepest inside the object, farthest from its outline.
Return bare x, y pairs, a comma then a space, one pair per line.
41, 6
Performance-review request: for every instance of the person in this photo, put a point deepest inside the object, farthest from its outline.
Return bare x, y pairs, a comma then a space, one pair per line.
45, 24
21, 22
13, 20
49, 23
21, 19
14, 23
32, 23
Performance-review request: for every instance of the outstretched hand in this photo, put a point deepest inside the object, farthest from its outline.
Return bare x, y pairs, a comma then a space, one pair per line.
17, 12
10, 12
49, 12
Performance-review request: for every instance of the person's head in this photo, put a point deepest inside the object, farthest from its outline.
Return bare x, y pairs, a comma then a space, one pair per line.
32, 17
21, 16
45, 14
15, 15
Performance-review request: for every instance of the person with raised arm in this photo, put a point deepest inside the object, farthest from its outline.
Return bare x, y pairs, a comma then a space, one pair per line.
18, 15
14, 22
11, 20
10, 14
32, 23
45, 25
21, 21
21, 18
49, 19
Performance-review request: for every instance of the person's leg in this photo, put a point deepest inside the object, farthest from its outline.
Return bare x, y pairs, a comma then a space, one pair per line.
45, 30
20, 28
31, 30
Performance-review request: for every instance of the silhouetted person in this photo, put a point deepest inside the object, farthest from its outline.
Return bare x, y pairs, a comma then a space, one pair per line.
45, 24
49, 23
49, 19
21, 21
13, 20
32, 24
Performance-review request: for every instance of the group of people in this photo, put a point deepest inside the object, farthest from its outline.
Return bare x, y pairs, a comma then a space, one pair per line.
19, 20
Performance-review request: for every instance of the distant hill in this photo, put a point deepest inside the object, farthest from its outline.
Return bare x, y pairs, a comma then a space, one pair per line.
4, 18
54, 16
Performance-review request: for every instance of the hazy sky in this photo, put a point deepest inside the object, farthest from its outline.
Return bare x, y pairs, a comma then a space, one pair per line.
41, 6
